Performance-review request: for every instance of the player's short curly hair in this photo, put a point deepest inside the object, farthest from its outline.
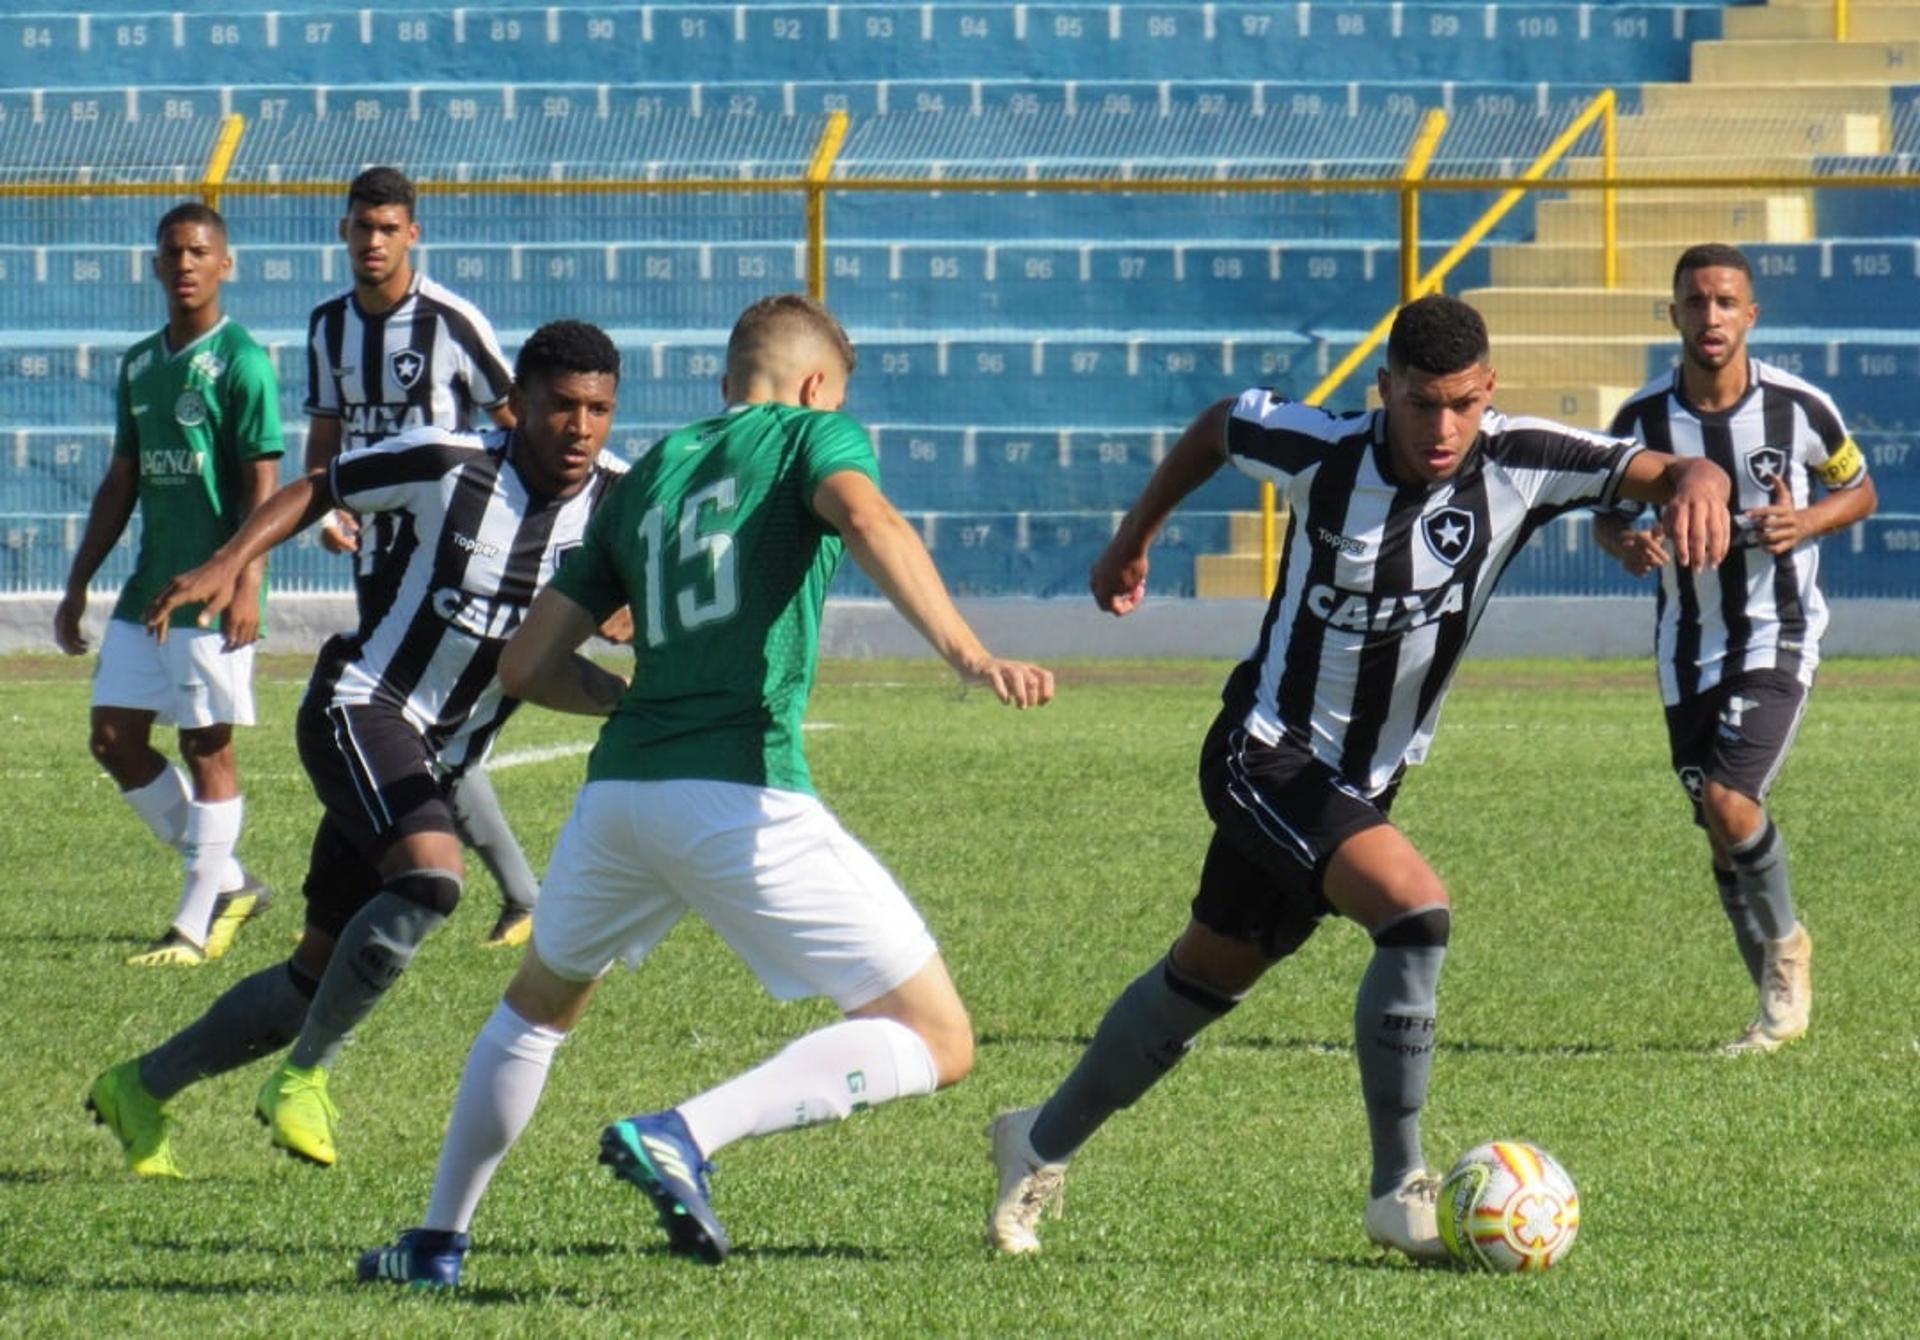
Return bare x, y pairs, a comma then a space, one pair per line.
1438, 335
771, 319
191, 212
379, 186
1712, 256
560, 347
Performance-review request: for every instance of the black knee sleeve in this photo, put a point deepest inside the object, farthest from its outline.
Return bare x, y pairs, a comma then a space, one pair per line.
1428, 929
303, 981
436, 890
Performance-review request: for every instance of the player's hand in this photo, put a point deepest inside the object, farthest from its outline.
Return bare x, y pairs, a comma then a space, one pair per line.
1644, 551
1014, 682
241, 621
1779, 525
210, 584
1119, 577
1697, 516
340, 533
618, 626
67, 616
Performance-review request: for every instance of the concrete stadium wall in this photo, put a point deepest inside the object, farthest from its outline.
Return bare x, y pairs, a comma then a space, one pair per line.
1589, 628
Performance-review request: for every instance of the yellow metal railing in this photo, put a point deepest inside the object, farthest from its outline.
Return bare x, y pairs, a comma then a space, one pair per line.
225, 145
819, 171
1840, 20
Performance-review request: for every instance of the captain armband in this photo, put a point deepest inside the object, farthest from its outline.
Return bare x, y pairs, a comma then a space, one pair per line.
1844, 466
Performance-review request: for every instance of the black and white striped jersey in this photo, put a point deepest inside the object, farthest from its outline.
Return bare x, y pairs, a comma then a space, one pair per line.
1756, 611
477, 546
1381, 583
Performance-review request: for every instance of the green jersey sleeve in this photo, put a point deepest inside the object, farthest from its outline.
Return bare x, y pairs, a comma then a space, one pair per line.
586, 575
253, 407
834, 442
126, 433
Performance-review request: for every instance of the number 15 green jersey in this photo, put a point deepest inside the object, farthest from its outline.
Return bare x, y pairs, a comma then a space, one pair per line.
711, 539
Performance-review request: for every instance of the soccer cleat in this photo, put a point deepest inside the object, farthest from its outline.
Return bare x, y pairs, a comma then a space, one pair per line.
1786, 996
1404, 1219
426, 1258
1029, 1187
513, 928
121, 1103
233, 910
656, 1153
172, 950
297, 1113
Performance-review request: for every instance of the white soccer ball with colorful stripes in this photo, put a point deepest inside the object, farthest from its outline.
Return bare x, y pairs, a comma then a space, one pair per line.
1509, 1206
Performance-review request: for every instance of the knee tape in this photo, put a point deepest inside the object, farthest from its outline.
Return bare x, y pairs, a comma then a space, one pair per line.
1427, 928
436, 890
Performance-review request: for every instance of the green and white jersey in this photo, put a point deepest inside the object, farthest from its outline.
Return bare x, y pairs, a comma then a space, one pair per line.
712, 540
194, 418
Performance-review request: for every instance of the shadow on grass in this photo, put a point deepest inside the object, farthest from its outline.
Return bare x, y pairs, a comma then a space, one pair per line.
1344, 1047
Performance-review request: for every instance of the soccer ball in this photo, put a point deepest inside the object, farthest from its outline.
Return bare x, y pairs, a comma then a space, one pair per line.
1508, 1206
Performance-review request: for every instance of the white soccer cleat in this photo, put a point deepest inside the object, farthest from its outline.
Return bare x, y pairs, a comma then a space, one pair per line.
1404, 1218
1786, 996
1029, 1187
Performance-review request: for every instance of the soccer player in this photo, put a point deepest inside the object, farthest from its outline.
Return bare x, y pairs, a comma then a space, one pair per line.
197, 446
393, 712
398, 351
1737, 648
1400, 522
723, 540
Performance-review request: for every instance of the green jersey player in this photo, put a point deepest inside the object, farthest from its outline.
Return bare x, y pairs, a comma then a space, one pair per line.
196, 448
723, 540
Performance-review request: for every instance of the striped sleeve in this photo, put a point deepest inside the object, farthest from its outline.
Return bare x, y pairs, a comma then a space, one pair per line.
323, 388
383, 477
1273, 439
1558, 467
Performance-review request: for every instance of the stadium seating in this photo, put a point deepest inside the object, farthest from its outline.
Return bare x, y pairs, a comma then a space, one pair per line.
1026, 355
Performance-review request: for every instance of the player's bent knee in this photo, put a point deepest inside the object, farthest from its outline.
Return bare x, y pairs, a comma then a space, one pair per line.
952, 1051
541, 996
436, 890
1428, 928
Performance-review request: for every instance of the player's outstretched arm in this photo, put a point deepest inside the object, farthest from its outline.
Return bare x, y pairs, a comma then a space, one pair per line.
1638, 551
1695, 497
889, 551
279, 518
540, 665
1119, 575
107, 517
341, 533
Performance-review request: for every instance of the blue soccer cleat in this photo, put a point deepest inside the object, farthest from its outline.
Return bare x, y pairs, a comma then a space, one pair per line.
656, 1153
426, 1258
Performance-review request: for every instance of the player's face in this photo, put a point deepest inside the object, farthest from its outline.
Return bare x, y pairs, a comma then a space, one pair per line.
564, 422
1713, 309
191, 261
378, 238
1432, 420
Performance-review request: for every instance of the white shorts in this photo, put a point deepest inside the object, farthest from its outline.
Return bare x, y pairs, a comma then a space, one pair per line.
809, 909
188, 682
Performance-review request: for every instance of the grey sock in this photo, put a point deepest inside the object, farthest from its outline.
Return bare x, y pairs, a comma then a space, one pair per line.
371, 953
256, 1017
1146, 1032
1393, 1033
483, 827
1746, 929
1760, 870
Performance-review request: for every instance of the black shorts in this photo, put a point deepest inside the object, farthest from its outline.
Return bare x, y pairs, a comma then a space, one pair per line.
376, 783
1279, 815
1737, 733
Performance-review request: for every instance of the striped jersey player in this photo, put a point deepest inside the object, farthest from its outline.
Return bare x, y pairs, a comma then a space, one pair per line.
1737, 648
1400, 523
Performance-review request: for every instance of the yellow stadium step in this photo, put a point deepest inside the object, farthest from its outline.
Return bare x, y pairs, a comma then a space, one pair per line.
1806, 62
1580, 406
1766, 97
1243, 530
1645, 265
1570, 361
1865, 23
1708, 163
1733, 217
1228, 577
1569, 311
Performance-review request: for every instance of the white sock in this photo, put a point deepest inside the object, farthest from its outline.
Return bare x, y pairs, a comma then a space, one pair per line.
162, 803
505, 1075
824, 1076
212, 829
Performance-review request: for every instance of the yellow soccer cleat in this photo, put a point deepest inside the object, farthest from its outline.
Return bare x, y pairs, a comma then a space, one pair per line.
121, 1103
298, 1115
513, 928
172, 950
230, 913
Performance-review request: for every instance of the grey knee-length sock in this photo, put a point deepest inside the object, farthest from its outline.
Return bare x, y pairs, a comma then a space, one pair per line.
482, 825
1746, 928
369, 957
1145, 1033
1760, 868
1393, 1036
256, 1017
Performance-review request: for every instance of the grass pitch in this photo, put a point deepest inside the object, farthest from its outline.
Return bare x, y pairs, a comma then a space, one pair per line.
1591, 978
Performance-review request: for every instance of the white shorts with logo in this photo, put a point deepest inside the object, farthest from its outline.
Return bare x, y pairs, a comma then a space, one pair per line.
188, 682
809, 909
